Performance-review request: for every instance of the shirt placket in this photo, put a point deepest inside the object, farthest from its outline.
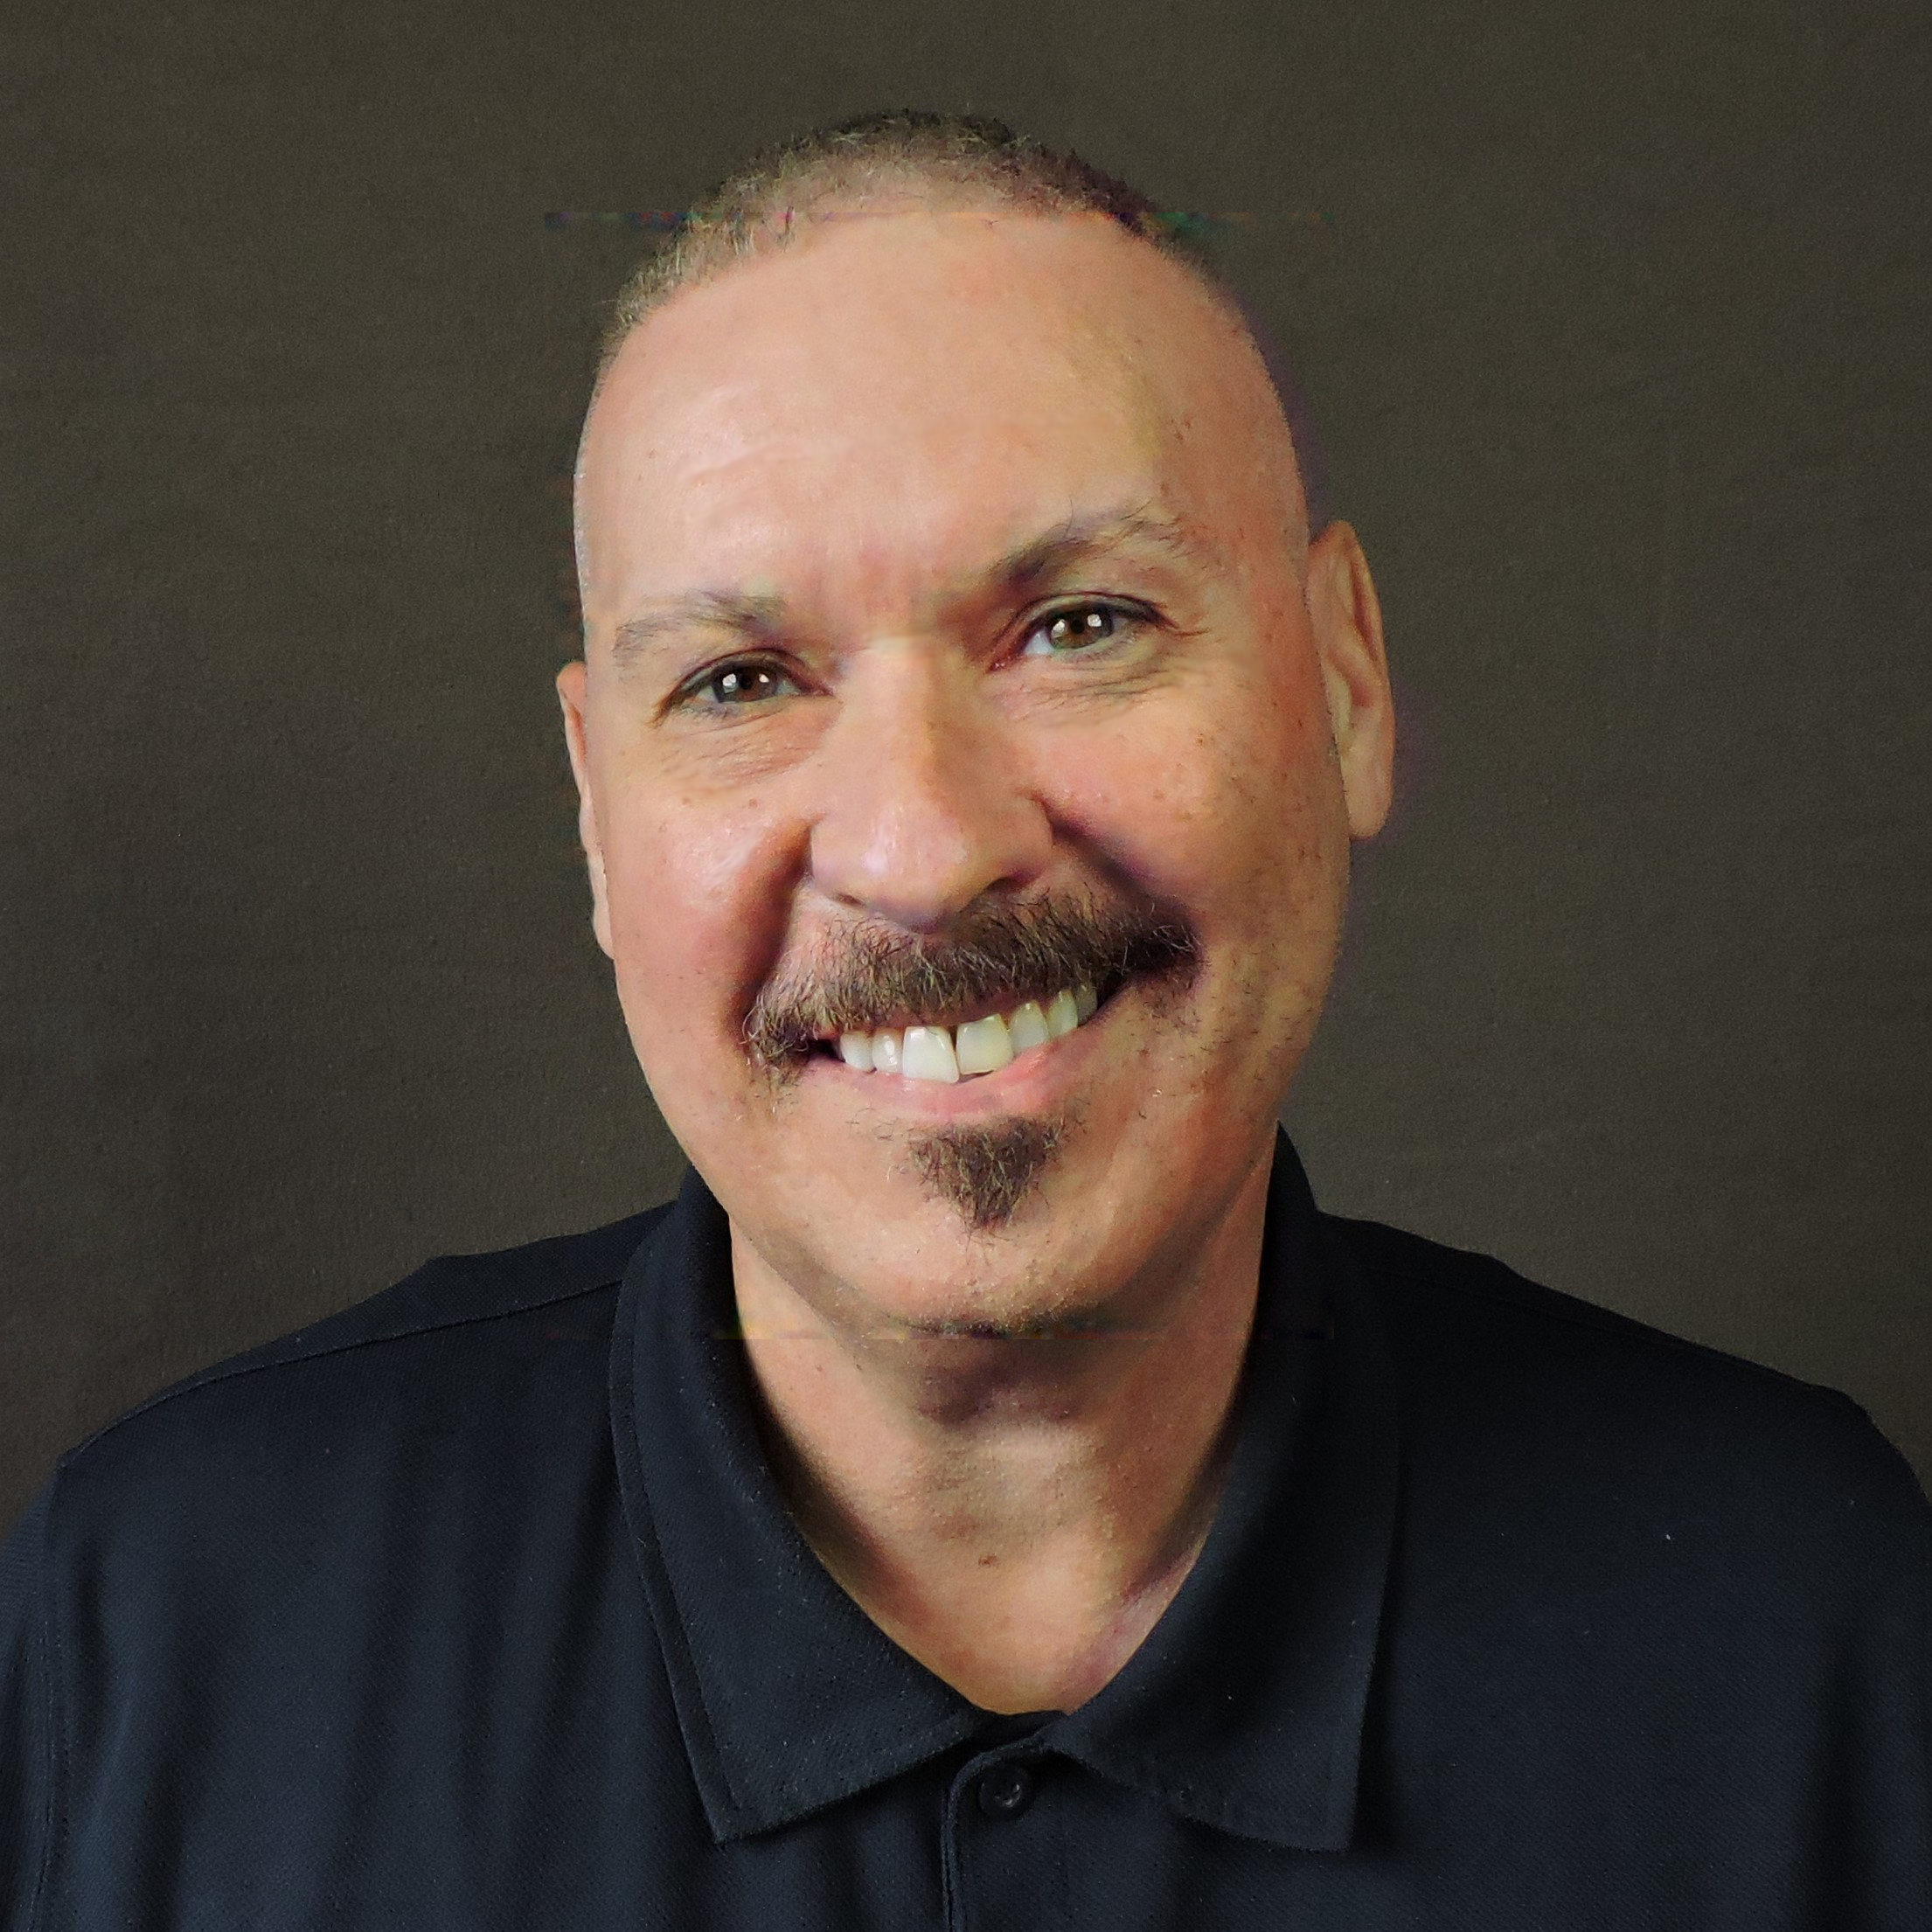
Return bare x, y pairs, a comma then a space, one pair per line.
1002, 1843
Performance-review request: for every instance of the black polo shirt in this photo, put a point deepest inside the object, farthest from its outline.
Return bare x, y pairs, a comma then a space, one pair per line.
475, 1606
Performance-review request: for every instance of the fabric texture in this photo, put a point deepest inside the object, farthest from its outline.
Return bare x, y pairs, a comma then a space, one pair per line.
475, 1606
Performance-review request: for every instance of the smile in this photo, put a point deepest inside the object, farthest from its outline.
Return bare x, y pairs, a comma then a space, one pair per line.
950, 1055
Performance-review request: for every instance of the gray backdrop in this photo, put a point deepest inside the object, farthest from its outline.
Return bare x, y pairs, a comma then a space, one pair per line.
1616, 322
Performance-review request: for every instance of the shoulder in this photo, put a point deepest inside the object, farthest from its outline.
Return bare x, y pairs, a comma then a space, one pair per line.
1564, 1406
455, 1342
244, 1537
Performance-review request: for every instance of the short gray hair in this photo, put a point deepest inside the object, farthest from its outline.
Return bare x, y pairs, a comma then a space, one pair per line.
833, 170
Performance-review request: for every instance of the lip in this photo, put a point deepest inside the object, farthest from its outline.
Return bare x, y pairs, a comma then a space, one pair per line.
1024, 1085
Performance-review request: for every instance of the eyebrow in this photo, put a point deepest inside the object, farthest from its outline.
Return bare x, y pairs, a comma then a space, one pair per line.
1093, 533
757, 619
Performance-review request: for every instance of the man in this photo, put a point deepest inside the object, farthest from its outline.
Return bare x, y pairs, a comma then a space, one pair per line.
992, 1494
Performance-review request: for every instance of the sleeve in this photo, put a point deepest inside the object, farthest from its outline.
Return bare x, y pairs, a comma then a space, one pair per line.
26, 1721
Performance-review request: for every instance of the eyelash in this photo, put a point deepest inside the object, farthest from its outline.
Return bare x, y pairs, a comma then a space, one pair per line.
1120, 613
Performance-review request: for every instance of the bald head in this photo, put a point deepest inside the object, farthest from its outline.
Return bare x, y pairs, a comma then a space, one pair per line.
943, 160
886, 166
874, 362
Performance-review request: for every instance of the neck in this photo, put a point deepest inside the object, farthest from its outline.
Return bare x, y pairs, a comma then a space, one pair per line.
1015, 1513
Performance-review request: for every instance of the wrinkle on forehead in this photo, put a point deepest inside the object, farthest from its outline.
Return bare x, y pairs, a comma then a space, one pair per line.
893, 382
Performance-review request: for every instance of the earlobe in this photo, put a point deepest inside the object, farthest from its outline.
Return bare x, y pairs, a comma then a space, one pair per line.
573, 684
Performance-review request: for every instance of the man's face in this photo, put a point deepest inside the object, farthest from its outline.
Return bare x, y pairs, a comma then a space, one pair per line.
946, 647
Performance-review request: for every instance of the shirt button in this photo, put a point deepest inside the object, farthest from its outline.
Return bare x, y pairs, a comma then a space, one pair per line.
1006, 1790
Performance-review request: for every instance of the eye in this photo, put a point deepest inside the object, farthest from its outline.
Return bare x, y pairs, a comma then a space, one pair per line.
736, 684
1075, 628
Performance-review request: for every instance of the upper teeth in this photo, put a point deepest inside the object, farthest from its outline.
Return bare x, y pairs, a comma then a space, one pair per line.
976, 1046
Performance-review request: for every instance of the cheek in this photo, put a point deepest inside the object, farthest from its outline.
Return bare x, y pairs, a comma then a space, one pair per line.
1224, 804
689, 921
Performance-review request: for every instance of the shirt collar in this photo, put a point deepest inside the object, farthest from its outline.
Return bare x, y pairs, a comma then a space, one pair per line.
1242, 1710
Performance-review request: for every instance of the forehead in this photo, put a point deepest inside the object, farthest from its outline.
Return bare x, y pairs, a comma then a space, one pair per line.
899, 393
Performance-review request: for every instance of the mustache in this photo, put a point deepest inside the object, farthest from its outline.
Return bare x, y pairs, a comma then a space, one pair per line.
997, 957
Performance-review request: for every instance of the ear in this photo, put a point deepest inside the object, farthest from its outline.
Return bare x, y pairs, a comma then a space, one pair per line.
1346, 619
572, 685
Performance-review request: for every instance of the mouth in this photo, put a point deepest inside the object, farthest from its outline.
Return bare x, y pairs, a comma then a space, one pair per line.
1010, 1057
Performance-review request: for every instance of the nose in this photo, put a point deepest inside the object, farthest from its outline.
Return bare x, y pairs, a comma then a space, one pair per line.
923, 794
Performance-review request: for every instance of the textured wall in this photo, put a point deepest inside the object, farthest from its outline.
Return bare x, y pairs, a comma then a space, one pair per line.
1616, 322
